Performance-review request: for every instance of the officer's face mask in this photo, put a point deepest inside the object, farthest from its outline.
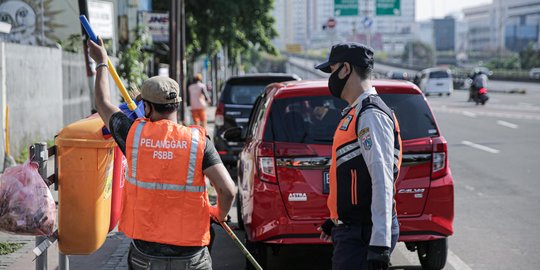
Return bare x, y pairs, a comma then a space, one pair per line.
335, 84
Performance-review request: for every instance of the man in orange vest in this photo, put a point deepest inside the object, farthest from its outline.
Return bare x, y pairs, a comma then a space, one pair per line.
366, 155
165, 208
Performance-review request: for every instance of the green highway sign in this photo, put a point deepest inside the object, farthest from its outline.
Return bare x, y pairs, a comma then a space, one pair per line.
345, 8
388, 7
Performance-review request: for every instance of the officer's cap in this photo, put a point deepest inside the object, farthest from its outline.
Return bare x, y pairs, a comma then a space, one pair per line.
354, 53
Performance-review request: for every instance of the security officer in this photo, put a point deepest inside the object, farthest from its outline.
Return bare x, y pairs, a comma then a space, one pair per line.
365, 162
165, 204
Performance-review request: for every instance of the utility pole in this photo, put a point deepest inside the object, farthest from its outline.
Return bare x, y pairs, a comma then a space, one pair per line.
83, 10
177, 45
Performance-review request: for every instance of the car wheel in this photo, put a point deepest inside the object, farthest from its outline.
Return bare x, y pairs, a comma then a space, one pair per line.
448, 94
239, 212
432, 254
259, 251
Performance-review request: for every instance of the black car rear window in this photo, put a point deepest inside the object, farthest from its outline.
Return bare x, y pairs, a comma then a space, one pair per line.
245, 91
311, 120
438, 75
414, 117
244, 94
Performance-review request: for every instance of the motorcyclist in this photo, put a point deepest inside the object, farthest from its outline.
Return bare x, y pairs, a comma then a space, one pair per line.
479, 81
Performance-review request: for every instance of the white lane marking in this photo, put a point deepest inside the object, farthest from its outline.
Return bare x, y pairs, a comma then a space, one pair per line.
504, 115
469, 114
506, 124
481, 147
467, 187
525, 104
456, 262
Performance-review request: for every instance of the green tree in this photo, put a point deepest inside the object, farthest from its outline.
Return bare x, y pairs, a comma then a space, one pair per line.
509, 62
422, 54
134, 60
236, 26
530, 57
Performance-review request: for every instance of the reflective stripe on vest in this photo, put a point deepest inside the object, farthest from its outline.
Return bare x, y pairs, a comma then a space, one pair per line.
193, 155
161, 186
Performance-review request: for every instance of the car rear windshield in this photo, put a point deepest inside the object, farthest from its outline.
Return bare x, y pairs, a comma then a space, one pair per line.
311, 120
438, 75
414, 117
246, 90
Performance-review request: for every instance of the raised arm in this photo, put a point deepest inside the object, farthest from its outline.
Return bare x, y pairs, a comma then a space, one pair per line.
104, 105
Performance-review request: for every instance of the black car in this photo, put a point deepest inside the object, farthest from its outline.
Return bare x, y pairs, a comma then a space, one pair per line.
234, 108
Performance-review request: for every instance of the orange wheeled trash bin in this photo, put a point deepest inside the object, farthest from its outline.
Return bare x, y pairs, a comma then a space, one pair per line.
85, 172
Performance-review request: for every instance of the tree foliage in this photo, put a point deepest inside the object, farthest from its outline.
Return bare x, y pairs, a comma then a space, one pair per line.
530, 57
237, 26
509, 62
423, 55
133, 59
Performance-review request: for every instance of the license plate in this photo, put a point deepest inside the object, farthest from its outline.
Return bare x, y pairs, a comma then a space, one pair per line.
326, 183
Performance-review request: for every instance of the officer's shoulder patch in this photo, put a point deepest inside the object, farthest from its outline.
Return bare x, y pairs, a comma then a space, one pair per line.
363, 131
366, 140
346, 122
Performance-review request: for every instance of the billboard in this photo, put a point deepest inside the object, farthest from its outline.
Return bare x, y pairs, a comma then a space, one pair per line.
158, 25
388, 7
101, 16
345, 8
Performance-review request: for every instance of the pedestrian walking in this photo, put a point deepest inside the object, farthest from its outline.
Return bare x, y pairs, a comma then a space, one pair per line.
165, 210
366, 157
199, 98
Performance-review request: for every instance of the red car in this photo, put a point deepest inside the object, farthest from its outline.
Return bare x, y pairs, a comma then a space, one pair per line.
283, 169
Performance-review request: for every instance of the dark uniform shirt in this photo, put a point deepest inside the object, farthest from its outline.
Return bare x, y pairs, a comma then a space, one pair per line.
119, 125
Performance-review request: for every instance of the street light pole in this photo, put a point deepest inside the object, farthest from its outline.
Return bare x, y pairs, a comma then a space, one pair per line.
177, 49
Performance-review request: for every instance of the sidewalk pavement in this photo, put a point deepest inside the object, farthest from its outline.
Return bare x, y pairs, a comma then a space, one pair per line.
111, 256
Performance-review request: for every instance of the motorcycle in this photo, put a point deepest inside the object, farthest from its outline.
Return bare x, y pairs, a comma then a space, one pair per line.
481, 96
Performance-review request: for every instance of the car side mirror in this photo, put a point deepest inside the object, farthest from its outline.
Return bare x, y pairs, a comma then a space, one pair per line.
235, 134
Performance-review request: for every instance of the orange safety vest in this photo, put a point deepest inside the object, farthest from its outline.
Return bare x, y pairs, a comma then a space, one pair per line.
350, 182
165, 199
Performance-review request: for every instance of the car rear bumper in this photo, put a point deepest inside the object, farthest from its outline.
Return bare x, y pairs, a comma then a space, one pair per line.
437, 219
266, 220
269, 222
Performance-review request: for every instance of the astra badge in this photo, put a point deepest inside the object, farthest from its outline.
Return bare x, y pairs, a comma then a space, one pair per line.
297, 197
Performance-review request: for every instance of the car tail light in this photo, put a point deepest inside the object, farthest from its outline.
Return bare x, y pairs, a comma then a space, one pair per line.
266, 163
219, 121
440, 160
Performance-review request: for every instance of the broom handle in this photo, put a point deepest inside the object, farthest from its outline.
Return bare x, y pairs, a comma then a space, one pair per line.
239, 244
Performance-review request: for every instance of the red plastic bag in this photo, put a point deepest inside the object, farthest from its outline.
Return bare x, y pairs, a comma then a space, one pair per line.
26, 203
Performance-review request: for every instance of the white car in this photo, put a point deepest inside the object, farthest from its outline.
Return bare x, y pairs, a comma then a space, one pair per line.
534, 73
436, 81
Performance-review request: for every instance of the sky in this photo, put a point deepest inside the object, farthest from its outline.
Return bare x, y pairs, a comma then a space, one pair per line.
427, 9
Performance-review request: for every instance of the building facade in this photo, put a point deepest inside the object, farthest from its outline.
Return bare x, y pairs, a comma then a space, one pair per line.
444, 31
503, 25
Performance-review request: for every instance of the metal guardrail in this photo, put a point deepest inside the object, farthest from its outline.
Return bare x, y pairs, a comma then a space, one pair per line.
39, 153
